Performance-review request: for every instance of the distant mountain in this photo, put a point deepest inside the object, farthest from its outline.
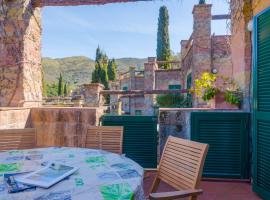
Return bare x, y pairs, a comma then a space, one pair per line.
78, 69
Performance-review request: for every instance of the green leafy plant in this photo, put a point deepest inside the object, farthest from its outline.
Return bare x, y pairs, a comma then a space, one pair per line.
207, 88
173, 101
209, 93
233, 97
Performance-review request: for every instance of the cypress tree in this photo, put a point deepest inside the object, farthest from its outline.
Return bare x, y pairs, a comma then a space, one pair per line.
65, 90
98, 54
112, 70
100, 74
104, 75
163, 40
60, 85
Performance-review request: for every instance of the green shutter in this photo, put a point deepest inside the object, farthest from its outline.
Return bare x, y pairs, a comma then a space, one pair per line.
175, 87
140, 137
227, 135
189, 81
261, 105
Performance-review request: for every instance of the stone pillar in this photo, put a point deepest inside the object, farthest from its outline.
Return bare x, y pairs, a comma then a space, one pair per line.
115, 104
184, 48
92, 96
20, 57
132, 74
241, 48
149, 84
201, 44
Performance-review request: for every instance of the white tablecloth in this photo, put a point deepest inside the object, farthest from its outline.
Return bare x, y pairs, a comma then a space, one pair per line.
101, 175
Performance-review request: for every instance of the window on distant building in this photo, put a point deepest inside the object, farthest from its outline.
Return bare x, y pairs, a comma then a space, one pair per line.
138, 112
175, 87
125, 88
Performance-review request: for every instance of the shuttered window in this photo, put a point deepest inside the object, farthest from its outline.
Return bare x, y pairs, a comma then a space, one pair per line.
261, 105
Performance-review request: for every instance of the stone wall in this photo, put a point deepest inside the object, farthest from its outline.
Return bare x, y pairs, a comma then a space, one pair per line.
201, 49
139, 83
63, 126
55, 126
221, 55
164, 78
11, 118
242, 45
20, 57
175, 122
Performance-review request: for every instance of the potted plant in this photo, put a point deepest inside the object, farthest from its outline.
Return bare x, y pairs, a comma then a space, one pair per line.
220, 92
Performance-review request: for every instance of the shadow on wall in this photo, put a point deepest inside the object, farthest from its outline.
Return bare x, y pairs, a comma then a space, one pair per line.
55, 126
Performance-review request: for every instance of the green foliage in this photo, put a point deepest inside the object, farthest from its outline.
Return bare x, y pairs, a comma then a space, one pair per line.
210, 93
51, 90
65, 90
233, 97
205, 86
100, 74
78, 69
163, 40
112, 70
173, 101
60, 85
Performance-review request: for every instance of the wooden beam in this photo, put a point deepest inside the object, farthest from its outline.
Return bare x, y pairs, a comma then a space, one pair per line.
42, 3
220, 17
142, 92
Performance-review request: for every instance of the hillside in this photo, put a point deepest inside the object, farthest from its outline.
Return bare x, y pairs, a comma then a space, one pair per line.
78, 69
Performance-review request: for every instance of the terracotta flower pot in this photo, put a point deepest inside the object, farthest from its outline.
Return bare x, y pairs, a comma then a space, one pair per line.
218, 102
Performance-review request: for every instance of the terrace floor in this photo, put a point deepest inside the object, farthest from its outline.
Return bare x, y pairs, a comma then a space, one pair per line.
212, 190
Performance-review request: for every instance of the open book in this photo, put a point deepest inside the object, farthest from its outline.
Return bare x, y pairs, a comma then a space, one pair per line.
47, 176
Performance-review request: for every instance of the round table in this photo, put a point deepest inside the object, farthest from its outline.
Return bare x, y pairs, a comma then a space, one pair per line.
101, 175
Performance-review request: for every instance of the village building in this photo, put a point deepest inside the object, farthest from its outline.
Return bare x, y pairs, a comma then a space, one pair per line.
202, 52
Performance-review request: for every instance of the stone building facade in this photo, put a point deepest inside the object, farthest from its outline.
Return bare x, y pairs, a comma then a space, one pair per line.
204, 51
151, 78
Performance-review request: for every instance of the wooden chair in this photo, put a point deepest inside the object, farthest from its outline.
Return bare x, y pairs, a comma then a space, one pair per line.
13, 139
181, 167
108, 138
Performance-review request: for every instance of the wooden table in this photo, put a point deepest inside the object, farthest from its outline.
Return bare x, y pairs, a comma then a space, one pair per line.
101, 175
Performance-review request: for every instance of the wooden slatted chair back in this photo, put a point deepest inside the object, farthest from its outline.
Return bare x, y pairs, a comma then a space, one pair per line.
16, 139
108, 138
181, 164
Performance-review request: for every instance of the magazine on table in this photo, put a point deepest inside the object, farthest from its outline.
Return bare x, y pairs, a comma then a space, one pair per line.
47, 176
14, 186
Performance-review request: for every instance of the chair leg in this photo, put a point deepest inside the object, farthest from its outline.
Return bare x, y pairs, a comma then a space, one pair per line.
193, 198
155, 185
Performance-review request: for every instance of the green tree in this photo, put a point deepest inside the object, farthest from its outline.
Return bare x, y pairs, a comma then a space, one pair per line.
100, 74
65, 90
112, 67
52, 90
98, 54
163, 40
60, 85
104, 75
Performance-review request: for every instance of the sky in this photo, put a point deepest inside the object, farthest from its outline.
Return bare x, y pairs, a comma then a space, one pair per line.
121, 29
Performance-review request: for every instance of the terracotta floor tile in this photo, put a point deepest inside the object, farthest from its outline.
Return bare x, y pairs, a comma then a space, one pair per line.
212, 190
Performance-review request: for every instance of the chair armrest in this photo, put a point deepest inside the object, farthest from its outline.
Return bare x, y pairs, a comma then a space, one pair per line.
175, 194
